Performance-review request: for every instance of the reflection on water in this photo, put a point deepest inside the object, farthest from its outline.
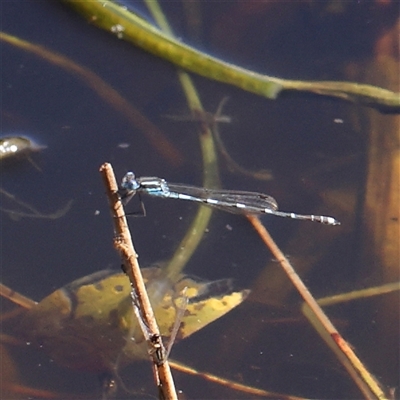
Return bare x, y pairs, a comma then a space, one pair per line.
317, 164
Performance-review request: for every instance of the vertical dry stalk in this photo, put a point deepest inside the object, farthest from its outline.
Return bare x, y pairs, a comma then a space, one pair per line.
147, 321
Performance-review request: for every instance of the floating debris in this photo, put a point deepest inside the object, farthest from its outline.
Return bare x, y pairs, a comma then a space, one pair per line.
16, 146
123, 145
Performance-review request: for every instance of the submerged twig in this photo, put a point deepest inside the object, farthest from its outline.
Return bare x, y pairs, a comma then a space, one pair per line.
16, 297
211, 121
105, 91
232, 384
361, 376
33, 212
263, 175
141, 301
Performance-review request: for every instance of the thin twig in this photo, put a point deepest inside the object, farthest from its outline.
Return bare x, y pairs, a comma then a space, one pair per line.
141, 300
364, 380
232, 384
16, 297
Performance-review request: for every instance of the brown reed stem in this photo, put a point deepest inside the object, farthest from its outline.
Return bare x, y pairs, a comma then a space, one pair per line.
123, 243
360, 375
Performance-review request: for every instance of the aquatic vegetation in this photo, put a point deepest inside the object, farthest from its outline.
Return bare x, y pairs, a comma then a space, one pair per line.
129, 26
89, 324
310, 247
21, 209
13, 148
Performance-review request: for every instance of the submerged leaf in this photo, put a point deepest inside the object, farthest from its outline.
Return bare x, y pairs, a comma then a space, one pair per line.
90, 324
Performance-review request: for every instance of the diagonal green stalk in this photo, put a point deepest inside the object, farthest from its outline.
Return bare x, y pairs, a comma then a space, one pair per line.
131, 27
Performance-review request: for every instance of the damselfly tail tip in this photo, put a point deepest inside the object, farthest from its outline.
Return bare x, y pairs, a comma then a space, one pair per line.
331, 221
323, 219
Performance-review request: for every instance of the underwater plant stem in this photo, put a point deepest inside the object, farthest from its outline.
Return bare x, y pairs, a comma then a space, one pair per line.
142, 306
32, 211
363, 379
197, 228
359, 294
105, 91
131, 27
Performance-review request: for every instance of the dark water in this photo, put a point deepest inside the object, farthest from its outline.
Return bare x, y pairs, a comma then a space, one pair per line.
315, 148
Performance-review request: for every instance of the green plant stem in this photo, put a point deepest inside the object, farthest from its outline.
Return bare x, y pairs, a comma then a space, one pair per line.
197, 228
131, 27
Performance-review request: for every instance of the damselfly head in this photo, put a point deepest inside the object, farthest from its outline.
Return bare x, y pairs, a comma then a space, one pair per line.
128, 188
129, 181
